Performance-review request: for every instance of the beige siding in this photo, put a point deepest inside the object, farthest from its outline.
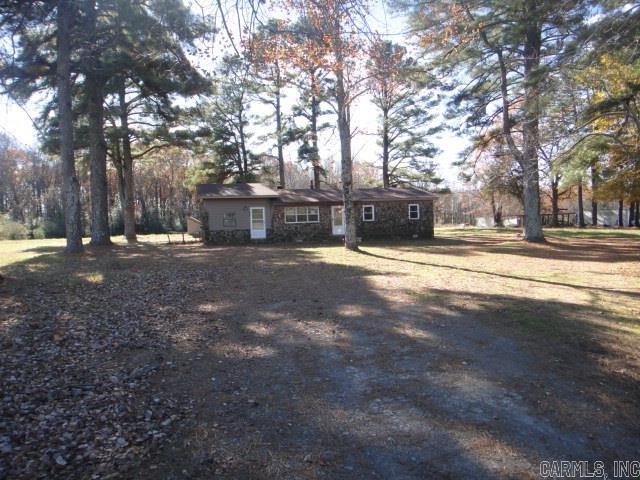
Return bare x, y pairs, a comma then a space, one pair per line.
193, 227
216, 210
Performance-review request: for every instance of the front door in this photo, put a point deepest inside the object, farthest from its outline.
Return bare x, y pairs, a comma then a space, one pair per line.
337, 220
258, 223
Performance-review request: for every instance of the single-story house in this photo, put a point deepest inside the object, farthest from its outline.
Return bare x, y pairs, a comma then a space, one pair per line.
239, 213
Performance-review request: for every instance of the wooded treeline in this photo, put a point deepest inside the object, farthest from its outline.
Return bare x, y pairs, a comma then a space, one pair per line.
31, 193
548, 93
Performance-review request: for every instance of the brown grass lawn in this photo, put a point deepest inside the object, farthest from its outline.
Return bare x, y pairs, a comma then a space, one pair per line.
474, 355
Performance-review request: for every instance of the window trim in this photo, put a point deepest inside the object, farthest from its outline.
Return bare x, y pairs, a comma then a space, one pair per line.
417, 205
373, 213
295, 209
233, 219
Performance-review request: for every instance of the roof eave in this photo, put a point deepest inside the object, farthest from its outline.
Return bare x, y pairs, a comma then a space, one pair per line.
236, 197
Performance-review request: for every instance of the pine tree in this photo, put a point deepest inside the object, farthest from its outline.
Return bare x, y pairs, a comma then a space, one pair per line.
45, 39
337, 24
149, 67
397, 84
71, 186
308, 52
507, 50
268, 53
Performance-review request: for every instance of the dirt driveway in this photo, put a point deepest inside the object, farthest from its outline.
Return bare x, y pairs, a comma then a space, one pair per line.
467, 358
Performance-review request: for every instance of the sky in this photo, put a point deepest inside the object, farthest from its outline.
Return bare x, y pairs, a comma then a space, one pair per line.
16, 120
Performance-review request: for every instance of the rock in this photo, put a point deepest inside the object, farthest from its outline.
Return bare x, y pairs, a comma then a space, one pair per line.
59, 459
5, 446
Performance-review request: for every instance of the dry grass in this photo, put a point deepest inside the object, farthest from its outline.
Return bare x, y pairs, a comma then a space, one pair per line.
13, 251
599, 276
595, 270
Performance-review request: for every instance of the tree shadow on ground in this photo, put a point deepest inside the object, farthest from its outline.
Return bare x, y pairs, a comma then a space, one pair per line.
631, 293
45, 249
279, 364
605, 250
314, 372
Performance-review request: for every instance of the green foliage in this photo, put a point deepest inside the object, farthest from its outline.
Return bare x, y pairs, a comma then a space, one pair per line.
226, 118
402, 92
207, 171
11, 230
150, 222
38, 233
53, 226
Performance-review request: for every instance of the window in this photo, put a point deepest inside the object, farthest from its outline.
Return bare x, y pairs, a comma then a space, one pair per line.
301, 215
414, 211
229, 219
368, 213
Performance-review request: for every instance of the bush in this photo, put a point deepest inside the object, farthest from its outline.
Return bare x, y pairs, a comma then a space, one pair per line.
38, 233
53, 226
11, 230
150, 223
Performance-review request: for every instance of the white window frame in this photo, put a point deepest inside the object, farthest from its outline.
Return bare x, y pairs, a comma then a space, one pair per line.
308, 211
373, 213
417, 205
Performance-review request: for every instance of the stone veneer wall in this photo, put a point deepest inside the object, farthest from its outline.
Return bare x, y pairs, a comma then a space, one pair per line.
295, 232
392, 220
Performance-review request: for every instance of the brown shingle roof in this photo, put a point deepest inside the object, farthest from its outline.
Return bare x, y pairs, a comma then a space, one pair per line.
307, 195
360, 195
372, 194
237, 190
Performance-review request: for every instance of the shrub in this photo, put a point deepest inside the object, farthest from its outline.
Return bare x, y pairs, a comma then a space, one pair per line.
11, 230
53, 226
38, 233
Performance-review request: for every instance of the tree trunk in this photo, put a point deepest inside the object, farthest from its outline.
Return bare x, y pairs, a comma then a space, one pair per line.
528, 157
239, 160
385, 148
637, 221
279, 129
497, 212
532, 45
129, 206
98, 164
144, 213
243, 145
117, 163
94, 85
315, 155
621, 213
555, 197
344, 129
631, 212
581, 223
594, 204
71, 186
